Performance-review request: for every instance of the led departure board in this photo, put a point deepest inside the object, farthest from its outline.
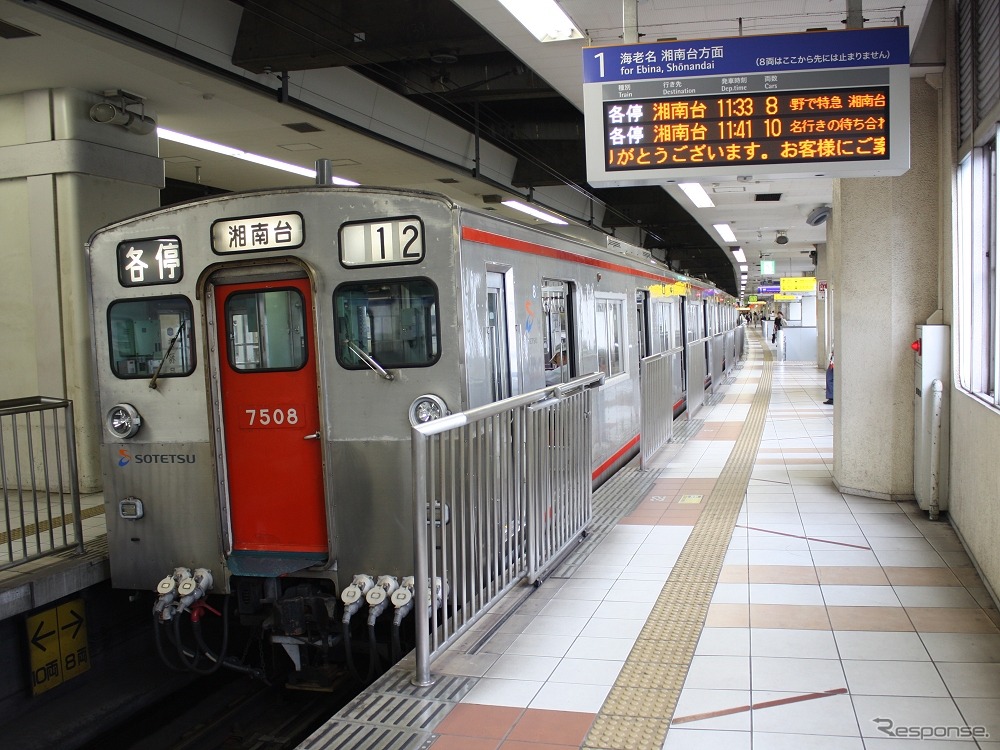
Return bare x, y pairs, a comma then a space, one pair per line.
748, 129
826, 103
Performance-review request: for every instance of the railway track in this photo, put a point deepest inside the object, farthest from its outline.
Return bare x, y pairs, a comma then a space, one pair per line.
228, 713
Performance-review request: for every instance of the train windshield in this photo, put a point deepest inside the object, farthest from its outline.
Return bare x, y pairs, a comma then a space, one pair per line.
151, 336
394, 322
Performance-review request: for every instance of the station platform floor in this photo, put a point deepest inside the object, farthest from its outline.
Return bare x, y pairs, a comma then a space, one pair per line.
26, 584
736, 600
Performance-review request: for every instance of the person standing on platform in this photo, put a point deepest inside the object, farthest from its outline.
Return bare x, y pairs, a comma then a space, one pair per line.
779, 323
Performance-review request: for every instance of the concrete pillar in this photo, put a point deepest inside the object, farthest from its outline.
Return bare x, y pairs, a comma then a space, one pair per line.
883, 239
61, 177
824, 306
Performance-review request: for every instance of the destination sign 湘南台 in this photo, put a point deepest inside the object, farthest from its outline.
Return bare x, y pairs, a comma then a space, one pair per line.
734, 106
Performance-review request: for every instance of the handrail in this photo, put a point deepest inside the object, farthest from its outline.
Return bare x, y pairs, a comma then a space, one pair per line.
500, 492
38, 471
656, 411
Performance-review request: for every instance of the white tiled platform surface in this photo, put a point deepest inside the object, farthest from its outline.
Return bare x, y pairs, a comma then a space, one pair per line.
838, 623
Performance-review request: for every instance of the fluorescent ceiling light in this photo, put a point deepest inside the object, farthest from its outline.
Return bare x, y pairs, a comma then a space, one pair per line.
544, 19
725, 232
744, 268
697, 194
218, 148
738, 252
531, 210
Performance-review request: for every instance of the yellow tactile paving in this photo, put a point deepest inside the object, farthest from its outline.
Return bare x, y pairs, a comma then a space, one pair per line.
31, 529
638, 710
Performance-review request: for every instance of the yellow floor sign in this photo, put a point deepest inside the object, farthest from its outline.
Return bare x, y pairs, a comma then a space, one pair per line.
57, 644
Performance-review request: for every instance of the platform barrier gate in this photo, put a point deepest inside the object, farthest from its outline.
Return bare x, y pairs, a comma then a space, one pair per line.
499, 493
41, 498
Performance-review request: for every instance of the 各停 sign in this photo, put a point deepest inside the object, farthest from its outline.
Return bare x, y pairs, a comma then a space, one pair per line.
830, 102
151, 261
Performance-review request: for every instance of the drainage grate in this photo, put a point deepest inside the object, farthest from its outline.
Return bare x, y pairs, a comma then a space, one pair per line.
393, 714
686, 430
336, 735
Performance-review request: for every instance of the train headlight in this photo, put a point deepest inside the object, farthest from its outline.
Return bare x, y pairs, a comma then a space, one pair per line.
123, 421
427, 408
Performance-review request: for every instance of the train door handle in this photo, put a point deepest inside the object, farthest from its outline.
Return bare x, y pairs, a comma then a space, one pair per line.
314, 436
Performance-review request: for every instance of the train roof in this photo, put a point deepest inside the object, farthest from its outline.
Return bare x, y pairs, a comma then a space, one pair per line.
590, 237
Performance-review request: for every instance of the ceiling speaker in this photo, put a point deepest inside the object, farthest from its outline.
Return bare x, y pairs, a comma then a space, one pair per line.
818, 215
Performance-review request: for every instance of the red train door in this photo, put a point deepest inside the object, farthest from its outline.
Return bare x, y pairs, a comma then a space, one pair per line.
270, 411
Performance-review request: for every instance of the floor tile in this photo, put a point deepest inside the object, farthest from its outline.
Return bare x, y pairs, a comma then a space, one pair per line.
906, 711
848, 575
828, 715
519, 666
556, 727
614, 649
864, 645
723, 642
981, 712
913, 678
704, 709
587, 671
860, 596
935, 596
472, 720
948, 620
451, 742
971, 680
561, 696
869, 618
782, 574
779, 593
963, 647
780, 674
776, 741
496, 692
795, 617
804, 644
903, 576
702, 739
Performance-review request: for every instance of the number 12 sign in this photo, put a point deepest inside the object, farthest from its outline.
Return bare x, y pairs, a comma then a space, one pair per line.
386, 242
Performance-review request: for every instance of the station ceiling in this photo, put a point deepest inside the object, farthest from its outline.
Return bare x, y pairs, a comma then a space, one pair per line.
468, 61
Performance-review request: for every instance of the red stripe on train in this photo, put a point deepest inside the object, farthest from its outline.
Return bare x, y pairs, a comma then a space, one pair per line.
621, 452
521, 246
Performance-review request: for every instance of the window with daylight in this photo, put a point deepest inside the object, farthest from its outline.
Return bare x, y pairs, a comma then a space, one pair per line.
611, 341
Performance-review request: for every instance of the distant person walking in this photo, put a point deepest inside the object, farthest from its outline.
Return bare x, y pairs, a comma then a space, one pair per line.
779, 323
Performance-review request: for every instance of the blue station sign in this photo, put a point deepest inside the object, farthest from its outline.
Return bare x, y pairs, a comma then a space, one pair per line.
830, 103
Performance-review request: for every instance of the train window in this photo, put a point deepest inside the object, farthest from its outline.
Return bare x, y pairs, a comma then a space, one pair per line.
557, 329
267, 330
610, 336
150, 336
395, 322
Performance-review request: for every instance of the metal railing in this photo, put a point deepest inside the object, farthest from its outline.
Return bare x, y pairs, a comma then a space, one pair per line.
657, 408
41, 497
499, 493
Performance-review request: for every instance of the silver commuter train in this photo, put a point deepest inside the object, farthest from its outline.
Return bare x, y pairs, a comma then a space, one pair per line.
262, 356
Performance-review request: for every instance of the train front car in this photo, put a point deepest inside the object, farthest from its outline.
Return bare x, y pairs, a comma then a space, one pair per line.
259, 358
